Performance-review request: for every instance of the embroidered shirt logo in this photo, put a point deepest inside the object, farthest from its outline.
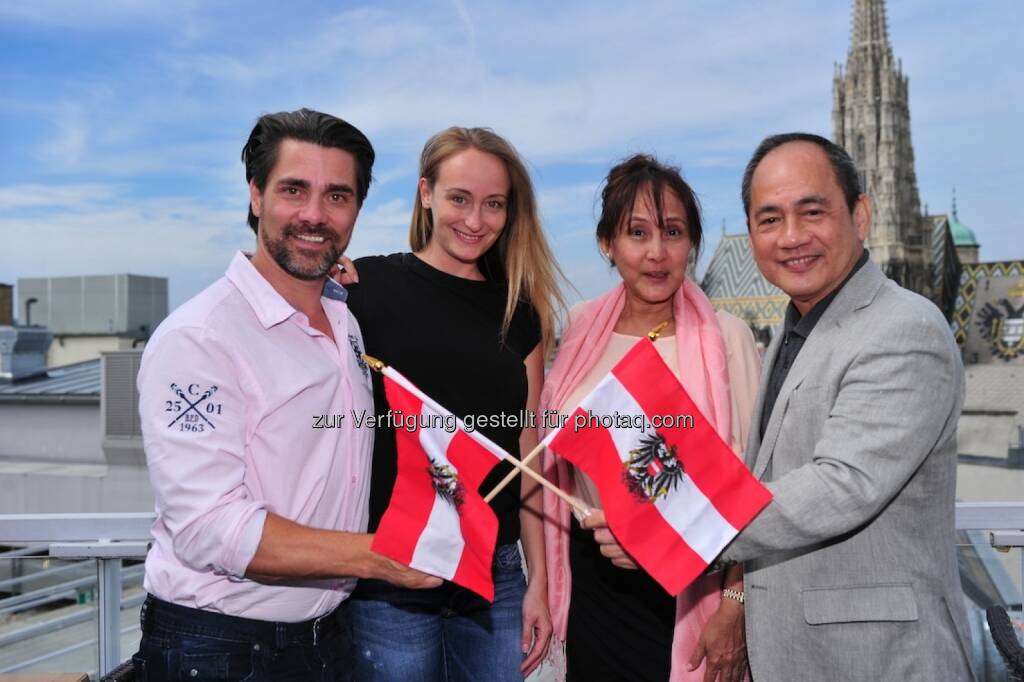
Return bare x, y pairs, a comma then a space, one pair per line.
193, 410
358, 350
652, 470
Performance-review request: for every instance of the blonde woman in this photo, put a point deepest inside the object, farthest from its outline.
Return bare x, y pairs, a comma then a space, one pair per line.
468, 316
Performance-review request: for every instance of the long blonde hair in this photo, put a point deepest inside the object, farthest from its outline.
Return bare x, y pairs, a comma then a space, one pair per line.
521, 251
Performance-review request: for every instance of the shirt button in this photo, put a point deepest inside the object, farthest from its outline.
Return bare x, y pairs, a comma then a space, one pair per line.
193, 673
255, 647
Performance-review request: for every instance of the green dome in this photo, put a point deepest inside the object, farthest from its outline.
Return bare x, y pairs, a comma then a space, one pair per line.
962, 235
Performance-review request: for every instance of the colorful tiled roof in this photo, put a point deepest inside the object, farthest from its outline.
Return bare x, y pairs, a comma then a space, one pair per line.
989, 294
733, 283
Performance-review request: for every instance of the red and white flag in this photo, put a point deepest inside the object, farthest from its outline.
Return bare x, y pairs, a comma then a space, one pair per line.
436, 521
673, 492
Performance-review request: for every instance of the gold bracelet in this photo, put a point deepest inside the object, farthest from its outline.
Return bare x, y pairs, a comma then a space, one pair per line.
735, 595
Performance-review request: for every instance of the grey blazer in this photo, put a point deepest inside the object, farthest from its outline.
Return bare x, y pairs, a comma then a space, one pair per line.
851, 571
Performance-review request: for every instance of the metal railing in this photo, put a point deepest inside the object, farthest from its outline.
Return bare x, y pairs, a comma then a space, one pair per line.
66, 589
108, 539
1003, 520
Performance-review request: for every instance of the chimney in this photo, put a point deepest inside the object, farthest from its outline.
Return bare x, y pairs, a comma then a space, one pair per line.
23, 352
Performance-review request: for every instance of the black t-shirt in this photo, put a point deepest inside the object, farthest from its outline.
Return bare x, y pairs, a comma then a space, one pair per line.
444, 334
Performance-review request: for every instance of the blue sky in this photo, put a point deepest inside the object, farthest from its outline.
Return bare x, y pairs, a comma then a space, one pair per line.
121, 121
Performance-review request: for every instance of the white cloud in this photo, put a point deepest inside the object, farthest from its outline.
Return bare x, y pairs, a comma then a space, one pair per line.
73, 197
381, 229
574, 87
69, 145
589, 277
565, 83
80, 232
572, 200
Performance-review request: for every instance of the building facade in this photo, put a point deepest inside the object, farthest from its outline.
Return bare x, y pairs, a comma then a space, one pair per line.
6, 304
93, 314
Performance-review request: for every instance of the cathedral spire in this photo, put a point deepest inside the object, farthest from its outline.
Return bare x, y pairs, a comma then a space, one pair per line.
871, 120
870, 31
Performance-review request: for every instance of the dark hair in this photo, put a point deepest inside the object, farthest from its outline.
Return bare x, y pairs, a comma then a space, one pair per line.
632, 176
843, 166
305, 125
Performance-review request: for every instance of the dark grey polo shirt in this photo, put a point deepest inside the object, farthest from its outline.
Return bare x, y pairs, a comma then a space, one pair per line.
795, 332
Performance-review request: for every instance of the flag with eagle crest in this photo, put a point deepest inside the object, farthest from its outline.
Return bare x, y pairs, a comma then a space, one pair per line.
436, 521
674, 494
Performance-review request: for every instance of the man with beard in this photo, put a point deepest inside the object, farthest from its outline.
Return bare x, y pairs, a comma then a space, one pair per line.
261, 515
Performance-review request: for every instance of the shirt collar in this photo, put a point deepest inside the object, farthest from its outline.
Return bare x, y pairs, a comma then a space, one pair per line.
334, 291
270, 307
803, 325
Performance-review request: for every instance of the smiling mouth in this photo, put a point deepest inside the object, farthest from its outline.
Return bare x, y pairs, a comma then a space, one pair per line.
310, 237
659, 275
468, 238
800, 263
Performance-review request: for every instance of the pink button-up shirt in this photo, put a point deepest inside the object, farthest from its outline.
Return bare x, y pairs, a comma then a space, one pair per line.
247, 409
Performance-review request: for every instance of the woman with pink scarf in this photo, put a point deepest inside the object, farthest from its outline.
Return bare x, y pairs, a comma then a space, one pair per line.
619, 624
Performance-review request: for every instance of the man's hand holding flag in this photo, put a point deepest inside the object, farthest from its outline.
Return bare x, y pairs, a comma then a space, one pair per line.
437, 522
674, 496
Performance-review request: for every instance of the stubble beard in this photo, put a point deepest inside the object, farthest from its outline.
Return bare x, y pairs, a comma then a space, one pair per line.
303, 267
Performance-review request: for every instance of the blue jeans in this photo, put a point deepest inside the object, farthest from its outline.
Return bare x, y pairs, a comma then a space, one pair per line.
181, 643
445, 634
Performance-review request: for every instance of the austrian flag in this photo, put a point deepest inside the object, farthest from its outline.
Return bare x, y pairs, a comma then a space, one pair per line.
437, 522
673, 492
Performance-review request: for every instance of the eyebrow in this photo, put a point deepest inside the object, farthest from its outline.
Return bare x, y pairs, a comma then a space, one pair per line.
466, 191
667, 221
304, 184
813, 199
802, 201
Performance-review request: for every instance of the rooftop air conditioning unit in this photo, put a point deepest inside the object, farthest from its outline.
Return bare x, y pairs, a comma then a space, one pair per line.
23, 352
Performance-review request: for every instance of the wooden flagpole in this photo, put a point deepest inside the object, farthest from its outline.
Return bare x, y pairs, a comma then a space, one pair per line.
378, 366
521, 466
653, 334
512, 474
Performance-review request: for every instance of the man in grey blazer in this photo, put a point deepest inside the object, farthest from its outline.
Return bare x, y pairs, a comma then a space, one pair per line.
850, 572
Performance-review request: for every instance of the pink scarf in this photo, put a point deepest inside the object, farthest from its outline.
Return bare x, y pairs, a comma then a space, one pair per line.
704, 372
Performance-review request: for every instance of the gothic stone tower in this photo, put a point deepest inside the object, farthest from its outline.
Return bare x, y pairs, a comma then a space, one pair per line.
871, 120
